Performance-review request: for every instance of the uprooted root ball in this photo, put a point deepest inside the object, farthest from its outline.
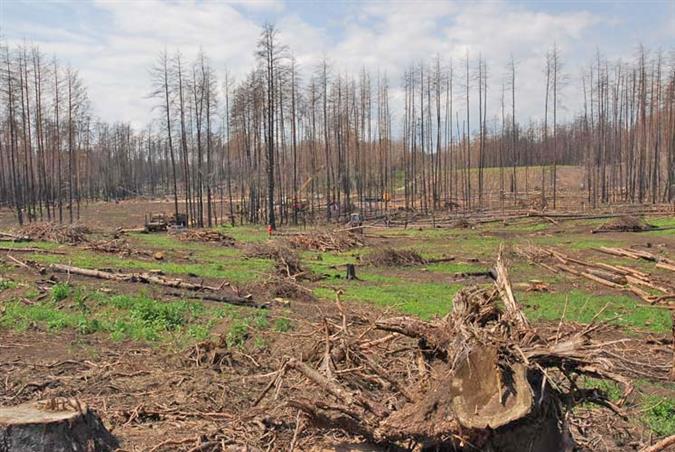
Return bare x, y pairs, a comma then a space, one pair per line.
481, 378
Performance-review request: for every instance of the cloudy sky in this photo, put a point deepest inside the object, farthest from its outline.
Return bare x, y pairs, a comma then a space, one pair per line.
113, 43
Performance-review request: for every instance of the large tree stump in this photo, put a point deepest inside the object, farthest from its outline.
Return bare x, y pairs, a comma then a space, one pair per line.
58, 425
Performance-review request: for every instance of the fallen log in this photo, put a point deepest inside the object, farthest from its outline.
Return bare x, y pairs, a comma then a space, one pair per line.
222, 298
149, 278
144, 277
664, 266
30, 250
660, 445
6, 236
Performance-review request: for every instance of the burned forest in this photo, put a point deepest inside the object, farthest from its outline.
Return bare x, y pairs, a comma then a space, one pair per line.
310, 245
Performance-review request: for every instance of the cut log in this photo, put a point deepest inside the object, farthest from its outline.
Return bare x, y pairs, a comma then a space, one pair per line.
147, 278
664, 444
215, 293
664, 266
58, 425
222, 298
6, 236
29, 250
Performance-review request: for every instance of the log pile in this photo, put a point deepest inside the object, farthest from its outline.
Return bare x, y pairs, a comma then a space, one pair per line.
479, 378
614, 276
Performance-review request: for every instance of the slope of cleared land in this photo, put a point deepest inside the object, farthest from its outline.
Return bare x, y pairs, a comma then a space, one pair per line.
169, 370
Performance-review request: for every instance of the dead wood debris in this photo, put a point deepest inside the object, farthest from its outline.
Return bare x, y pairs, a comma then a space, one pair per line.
478, 378
9, 237
212, 353
197, 290
280, 287
614, 276
70, 234
326, 241
391, 257
204, 235
120, 247
287, 261
626, 223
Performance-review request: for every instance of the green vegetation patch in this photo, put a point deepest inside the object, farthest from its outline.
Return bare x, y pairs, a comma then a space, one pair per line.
424, 300
135, 317
582, 307
659, 414
237, 270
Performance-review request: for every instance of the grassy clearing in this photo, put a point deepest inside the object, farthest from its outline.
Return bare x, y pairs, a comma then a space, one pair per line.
163, 242
246, 234
455, 267
135, 317
661, 222
33, 244
234, 270
582, 307
424, 300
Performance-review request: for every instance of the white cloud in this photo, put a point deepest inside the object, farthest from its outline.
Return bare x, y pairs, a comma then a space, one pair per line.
115, 52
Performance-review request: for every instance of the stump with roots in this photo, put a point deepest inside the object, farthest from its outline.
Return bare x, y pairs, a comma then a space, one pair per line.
57, 425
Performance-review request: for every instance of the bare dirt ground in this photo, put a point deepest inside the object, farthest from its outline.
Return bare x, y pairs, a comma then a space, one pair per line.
169, 371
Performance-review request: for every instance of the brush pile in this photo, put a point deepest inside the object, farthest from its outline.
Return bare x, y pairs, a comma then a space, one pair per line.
72, 234
462, 223
205, 235
480, 378
287, 261
391, 257
119, 247
326, 241
626, 223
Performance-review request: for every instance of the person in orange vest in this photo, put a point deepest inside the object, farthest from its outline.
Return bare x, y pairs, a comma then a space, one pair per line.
269, 230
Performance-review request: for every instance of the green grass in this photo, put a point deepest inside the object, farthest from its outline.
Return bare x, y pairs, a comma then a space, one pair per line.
659, 414
575, 241
282, 325
582, 307
33, 244
6, 284
60, 292
424, 300
247, 234
609, 388
233, 270
121, 316
662, 222
455, 267
167, 242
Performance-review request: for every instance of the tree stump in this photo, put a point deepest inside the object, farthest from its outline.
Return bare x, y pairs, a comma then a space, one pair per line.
57, 425
351, 272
